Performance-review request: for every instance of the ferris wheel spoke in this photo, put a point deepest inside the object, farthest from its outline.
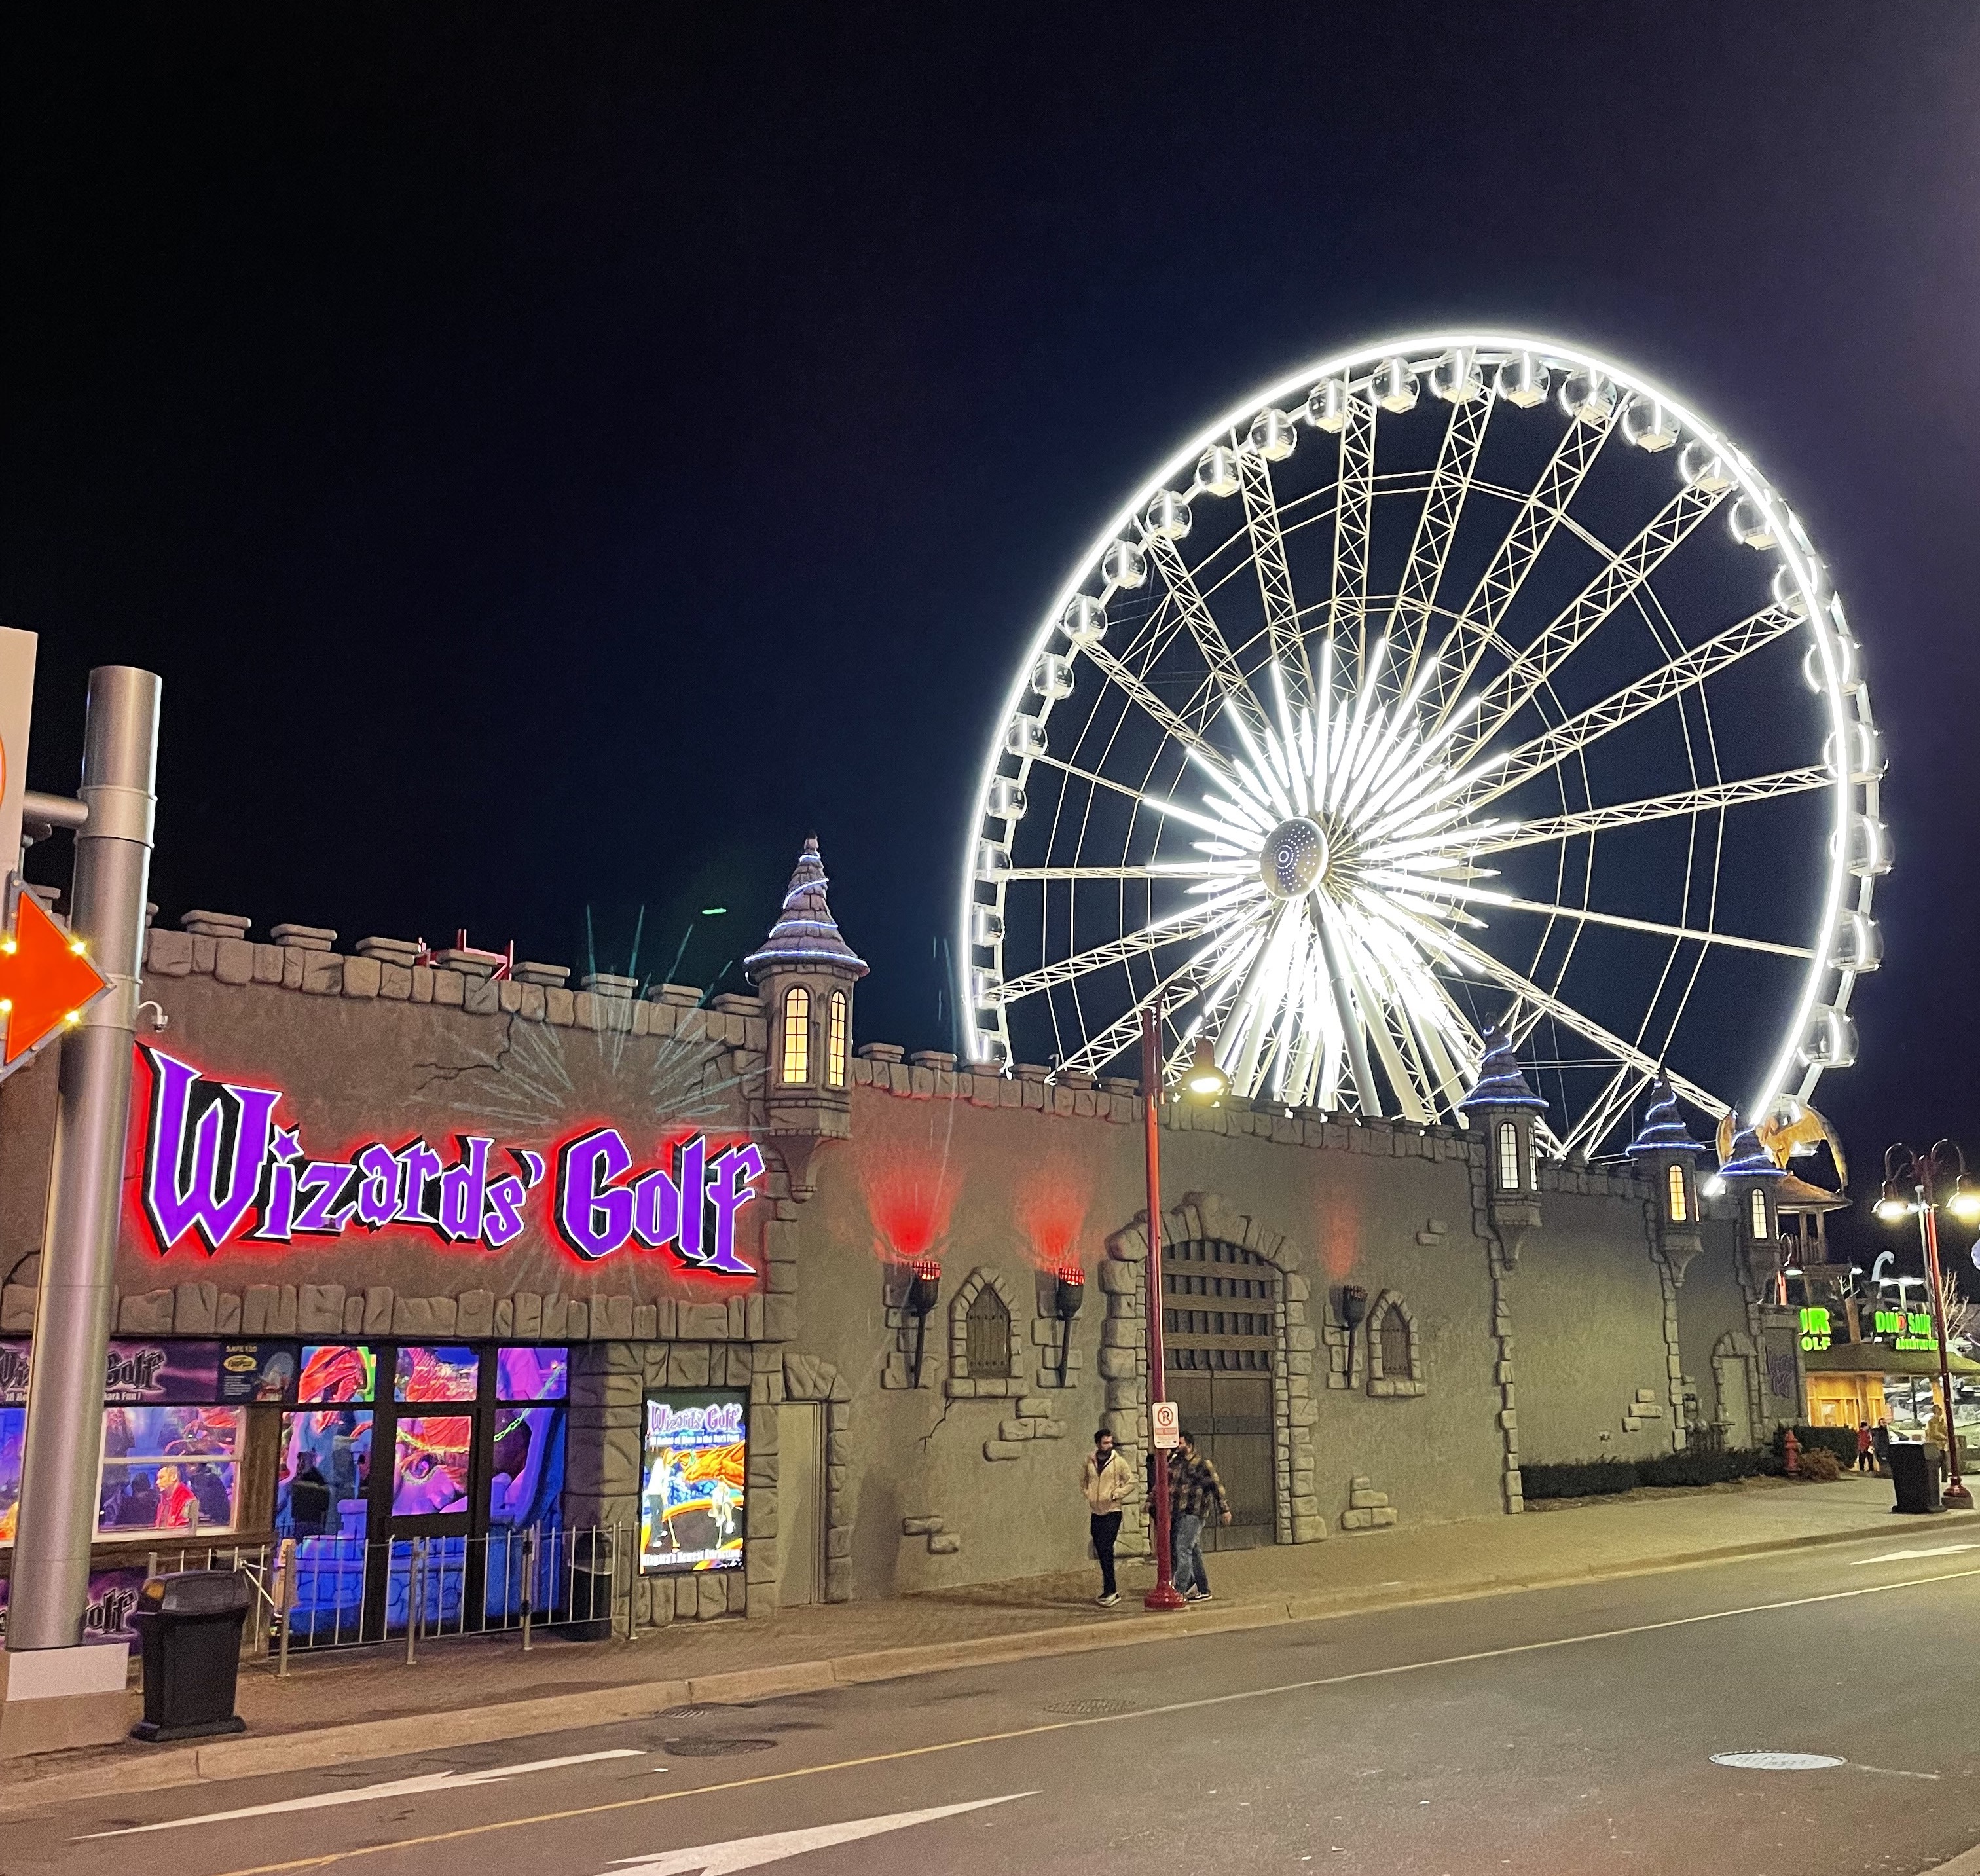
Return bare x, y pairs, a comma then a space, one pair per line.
1169, 993
1533, 528
1086, 775
1225, 672
1653, 808
1615, 1100
1542, 1003
1154, 869
1626, 570
1436, 527
1354, 495
1686, 672
1485, 895
1169, 720
1171, 928
1275, 582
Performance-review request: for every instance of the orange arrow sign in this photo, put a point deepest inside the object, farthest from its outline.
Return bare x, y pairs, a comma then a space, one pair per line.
45, 979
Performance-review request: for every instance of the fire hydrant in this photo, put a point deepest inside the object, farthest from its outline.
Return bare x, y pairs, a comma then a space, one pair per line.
1791, 1454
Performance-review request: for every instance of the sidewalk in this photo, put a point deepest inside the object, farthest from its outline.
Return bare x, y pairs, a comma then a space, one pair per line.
367, 1704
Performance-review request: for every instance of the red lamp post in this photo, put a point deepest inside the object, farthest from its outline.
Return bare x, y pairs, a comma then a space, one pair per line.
1921, 1172
1204, 1079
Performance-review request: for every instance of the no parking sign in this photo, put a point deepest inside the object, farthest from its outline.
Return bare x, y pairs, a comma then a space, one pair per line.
1167, 1425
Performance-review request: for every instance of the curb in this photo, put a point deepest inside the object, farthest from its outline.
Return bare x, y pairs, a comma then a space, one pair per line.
240, 1757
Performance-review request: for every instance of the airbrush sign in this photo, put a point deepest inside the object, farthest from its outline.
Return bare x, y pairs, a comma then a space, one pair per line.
217, 1168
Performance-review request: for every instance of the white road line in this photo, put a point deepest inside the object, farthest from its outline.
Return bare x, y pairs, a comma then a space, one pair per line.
1905, 1556
394, 1787
749, 1853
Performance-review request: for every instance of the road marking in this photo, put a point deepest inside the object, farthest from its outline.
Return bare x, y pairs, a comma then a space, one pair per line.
749, 1853
1902, 1556
395, 1787
1099, 1719
1778, 1762
1891, 1772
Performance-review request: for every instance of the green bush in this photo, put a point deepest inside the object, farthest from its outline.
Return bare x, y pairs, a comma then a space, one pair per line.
1586, 1478
1840, 1440
1691, 1468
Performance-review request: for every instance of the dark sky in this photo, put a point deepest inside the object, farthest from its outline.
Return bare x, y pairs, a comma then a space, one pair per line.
559, 457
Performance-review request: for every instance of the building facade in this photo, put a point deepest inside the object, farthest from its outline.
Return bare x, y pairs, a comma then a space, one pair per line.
415, 1245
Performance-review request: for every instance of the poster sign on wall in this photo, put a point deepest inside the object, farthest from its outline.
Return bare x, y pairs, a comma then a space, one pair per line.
113, 1600
694, 1465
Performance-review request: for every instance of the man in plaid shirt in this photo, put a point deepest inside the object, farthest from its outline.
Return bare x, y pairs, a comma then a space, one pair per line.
1196, 1496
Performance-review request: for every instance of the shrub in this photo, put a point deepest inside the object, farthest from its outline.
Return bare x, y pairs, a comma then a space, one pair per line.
1582, 1479
1697, 1468
1819, 1463
1840, 1440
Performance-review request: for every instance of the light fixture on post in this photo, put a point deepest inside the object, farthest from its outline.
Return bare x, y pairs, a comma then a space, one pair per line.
1922, 1173
923, 1293
1202, 1080
1068, 1293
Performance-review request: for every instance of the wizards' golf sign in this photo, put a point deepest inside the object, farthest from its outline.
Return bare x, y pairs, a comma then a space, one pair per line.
219, 1168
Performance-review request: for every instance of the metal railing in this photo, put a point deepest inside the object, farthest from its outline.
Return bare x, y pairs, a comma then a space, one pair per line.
313, 1593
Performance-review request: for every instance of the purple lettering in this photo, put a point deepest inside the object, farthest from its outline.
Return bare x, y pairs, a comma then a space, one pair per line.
728, 1188
418, 1165
202, 1175
377, 1186
278, 1203
656, 1208
593, 1216
463, 1187
320, 1186
502, 1221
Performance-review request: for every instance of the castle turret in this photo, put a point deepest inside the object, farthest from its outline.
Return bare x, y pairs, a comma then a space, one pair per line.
1505, 1110
1753, 1176
1664, 1153
805, 972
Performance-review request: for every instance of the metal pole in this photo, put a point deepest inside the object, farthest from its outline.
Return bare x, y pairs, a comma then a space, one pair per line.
529, 1580
1164, 1595
1955, 1494
287, 1601
113, 861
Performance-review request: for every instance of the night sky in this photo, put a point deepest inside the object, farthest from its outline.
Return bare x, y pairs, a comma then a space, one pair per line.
558, 458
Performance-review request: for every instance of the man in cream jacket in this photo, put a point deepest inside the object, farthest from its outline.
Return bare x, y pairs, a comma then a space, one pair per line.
1108, 1485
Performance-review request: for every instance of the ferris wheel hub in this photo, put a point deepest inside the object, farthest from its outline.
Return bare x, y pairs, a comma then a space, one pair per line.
1294, 857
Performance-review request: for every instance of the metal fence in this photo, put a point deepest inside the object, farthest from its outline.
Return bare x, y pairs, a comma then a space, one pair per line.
322, 1592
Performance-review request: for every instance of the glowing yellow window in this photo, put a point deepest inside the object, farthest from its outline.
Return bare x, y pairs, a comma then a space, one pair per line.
1756, 1213
796, 1052
834, 1041
1678, 1213
1508, 1157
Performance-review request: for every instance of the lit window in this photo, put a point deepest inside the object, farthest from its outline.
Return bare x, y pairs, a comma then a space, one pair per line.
1508, 1157
1756, 1213
1679, 1212
834, 1041
168, 1469
797, 1035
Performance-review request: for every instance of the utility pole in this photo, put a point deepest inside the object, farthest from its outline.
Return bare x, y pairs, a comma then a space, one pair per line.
51, 1687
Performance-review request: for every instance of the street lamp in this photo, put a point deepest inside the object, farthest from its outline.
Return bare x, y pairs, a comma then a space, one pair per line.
1922, 1173
1204, 1081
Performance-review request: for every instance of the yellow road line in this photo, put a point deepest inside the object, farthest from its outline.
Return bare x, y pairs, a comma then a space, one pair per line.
1098, 1719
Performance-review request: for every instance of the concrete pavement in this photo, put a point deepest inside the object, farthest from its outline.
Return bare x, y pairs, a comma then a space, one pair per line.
1568, 1732
339, 1706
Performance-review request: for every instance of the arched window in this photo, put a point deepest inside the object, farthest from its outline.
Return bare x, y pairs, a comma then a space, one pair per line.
1394, 1344
796, 1053
1674, 1182
834, 1041
1756, 1213
1508, 1157
987, 1332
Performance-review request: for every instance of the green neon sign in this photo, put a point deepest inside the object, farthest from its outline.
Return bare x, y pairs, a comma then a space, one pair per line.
1912, 1328
1815, 1334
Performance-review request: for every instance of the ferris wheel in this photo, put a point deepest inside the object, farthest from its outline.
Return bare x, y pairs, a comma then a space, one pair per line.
1459, 681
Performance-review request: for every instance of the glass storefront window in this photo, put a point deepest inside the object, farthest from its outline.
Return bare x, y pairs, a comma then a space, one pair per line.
325, 1468
430, 1464
13, 1433
530, 1373
526, 1479
437, 1374
332, 1374
168, 1469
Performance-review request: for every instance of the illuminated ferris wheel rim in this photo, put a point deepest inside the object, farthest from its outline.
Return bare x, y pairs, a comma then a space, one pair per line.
1844, 693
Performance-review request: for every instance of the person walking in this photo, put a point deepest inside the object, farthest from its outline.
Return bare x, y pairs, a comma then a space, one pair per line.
1934, 1439
1863, 1447
1196, 1495
1880, 1448
1108, 1484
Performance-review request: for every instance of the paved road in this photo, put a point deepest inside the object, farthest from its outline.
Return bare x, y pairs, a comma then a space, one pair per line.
1564, 1732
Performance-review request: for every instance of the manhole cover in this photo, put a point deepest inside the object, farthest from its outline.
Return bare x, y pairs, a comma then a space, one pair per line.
713, 1748
1092, 1706
1777, 1761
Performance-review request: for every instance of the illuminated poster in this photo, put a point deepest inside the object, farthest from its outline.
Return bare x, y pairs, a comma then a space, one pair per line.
695, 1452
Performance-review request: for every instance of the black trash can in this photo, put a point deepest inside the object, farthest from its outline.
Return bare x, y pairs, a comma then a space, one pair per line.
189, 1626
1914, 1476
592, 1562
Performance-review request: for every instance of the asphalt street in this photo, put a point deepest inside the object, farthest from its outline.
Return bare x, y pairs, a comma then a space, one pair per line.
1569, 1731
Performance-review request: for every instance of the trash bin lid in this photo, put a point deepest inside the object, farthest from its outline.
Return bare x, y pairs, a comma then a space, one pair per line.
196, 1592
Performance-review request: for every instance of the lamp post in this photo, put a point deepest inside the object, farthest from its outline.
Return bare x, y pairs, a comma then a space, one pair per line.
1206, 1080
1923, 1172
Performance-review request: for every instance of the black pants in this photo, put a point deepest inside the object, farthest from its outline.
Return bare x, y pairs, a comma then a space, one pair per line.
1106, 1527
